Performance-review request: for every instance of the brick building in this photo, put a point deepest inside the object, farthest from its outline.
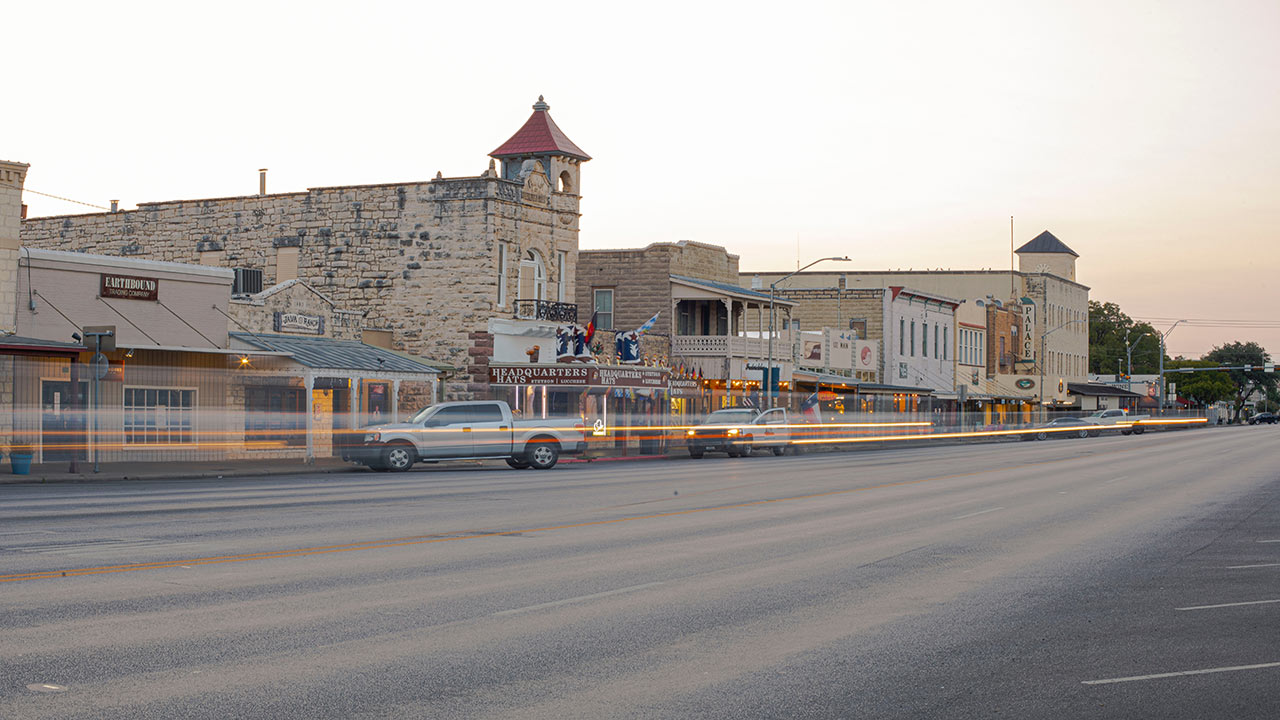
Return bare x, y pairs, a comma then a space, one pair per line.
428, 263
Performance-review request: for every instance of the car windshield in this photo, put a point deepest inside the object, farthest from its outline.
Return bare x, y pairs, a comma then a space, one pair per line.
721, 417
422, 414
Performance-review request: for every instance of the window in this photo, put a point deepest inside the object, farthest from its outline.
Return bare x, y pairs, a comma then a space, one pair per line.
902, 336
604, 309
502, 274
859, 328
562, 273
275, 414
158, 416
286, 264
946, 345
533, 277
924, 340
935, 341
913, 338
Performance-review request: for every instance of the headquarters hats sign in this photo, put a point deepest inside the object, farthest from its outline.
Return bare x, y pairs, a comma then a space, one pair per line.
129, 287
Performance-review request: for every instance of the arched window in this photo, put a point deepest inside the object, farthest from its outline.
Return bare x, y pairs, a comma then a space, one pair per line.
566, 182
533, 277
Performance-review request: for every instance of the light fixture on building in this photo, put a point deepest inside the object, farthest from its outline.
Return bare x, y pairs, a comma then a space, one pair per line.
129, 354
244, 361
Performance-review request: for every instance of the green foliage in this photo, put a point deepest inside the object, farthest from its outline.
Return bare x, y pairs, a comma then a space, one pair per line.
1108, 329
1205, 387
1245, 382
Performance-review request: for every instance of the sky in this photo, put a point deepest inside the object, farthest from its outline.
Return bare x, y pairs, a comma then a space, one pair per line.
1142, 133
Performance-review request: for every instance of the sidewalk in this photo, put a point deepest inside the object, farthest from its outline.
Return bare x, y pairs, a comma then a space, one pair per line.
57, 472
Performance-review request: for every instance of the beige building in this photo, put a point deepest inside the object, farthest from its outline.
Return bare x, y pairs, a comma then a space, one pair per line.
428, 263
1053, 309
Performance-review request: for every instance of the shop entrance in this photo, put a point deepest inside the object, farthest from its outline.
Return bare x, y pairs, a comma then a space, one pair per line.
62, 433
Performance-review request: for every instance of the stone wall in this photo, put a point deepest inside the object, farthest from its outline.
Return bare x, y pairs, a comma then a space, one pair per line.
256, 313
12, 176
834, 307
420, 258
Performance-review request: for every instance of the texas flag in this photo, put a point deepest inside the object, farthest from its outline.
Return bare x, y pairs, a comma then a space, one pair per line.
810, 408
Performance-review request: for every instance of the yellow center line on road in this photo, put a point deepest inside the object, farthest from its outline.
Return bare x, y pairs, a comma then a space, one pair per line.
437, 538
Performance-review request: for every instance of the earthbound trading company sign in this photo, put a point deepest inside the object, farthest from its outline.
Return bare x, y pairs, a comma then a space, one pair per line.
298, 323
1028, 330
578, 375
129, 287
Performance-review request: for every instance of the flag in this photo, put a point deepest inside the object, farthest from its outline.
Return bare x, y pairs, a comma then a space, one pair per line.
591, 328
810, 408
648, 325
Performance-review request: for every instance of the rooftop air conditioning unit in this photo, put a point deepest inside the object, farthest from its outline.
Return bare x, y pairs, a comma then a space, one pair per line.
248, 281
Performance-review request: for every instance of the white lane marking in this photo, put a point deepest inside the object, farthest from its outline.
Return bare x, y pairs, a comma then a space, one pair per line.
1268, 541
1244, 567
1239, 604
1157, 676
980, 512
1122, 477
581, 598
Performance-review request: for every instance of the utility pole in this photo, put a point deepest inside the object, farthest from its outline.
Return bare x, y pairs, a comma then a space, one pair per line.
1128, 351
773, 288
1160, 387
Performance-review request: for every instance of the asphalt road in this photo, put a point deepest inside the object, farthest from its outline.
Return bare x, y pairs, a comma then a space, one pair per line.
1114, 577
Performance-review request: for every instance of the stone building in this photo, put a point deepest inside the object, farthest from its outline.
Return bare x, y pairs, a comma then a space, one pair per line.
428, 263
707, 325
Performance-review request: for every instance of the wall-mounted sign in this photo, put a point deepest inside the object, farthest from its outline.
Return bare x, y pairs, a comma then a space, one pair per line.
1025, 384
129, 287
288, 322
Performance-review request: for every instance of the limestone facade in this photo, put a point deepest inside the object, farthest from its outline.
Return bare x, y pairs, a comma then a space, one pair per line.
12, 175
430, 261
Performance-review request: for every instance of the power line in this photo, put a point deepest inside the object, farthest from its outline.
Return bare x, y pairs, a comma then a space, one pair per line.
57, 197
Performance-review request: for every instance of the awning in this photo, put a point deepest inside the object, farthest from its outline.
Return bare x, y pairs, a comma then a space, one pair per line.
342, 356
1100, 390
19, 345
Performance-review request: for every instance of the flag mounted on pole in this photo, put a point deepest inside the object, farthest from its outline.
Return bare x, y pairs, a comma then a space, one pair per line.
591, 327
648, 324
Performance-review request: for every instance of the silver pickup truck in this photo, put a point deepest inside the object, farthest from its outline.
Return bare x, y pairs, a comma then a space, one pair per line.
467, 431
741, 431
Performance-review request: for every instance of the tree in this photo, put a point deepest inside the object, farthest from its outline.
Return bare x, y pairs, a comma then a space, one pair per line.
1205, 387
1245, 382
1108, 327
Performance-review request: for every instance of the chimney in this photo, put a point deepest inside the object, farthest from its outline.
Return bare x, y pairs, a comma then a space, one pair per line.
262, 181
12, 175
115, 206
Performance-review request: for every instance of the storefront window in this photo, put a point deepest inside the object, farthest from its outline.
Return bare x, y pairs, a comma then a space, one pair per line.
275, 415
158, 416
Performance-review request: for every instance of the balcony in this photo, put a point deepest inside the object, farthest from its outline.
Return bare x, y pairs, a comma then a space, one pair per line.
546, 310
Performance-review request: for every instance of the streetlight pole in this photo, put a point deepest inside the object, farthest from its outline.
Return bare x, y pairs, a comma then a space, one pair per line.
773, 288
1044, 335
1128, 351
1164, 335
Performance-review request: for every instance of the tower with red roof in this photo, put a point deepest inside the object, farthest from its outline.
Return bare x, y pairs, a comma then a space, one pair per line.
541, 140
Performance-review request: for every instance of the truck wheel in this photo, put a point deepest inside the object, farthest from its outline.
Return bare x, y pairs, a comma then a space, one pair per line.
746, 450
542, 455
1139, 430
518, 464
779, 450
695, 454
1126, 432
398, 457
1042, 436
732, 452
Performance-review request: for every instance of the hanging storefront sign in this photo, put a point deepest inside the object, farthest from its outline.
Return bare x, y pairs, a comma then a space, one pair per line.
579, 376
685, 387
1028, 330
288, 322
129, 287
866, 355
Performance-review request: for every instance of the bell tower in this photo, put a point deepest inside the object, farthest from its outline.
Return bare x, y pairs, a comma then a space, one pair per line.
542, 140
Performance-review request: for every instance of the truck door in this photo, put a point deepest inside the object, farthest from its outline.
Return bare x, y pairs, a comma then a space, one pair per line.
773, 427
490, 430
447, 433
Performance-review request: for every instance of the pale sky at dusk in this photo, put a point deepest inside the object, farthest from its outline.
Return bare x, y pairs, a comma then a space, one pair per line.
1141, 133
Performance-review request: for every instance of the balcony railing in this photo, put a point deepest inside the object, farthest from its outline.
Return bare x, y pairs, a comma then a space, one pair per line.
546, 310
730, 346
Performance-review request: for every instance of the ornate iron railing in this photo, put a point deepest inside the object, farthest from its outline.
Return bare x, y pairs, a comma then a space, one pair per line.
546, 310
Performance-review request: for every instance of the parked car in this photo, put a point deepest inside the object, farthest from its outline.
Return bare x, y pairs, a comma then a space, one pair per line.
467, 431
739, 432
1128, 422
1063, 427
1263, 417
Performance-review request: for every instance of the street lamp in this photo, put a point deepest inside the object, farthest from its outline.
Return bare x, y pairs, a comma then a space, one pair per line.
1044, 335
1128, 352
1164, 335
773, 287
